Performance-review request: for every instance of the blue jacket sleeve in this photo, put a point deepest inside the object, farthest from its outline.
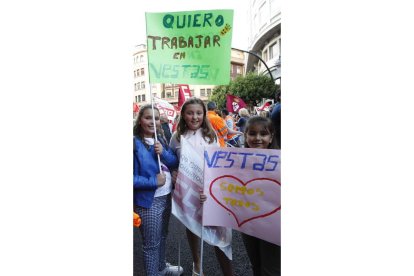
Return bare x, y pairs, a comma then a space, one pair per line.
143, 182
169, 158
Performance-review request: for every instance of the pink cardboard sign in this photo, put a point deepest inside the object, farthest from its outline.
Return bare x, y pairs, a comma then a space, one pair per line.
243, 188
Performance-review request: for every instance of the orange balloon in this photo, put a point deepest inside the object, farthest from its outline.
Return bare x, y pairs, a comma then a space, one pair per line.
137, 220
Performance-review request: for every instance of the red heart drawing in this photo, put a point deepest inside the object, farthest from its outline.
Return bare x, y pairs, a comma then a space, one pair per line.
246, 201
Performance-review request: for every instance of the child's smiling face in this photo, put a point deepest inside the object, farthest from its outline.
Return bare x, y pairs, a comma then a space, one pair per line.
257, 136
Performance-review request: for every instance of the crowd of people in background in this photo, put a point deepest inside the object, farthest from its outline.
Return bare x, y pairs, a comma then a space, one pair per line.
156, 160
232, 135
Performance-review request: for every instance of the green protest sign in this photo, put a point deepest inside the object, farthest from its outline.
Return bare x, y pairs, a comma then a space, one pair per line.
191, 47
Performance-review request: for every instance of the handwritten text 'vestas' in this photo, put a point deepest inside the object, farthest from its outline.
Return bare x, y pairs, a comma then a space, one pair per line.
241, 160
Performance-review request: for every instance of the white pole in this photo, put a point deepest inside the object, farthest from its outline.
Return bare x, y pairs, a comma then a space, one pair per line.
155, 126
202, 228
179, 254
201, 244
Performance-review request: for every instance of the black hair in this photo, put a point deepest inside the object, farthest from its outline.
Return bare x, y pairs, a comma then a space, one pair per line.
267, 124
211, 106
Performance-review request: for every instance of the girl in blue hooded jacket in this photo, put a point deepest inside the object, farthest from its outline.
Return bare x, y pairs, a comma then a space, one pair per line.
152, 191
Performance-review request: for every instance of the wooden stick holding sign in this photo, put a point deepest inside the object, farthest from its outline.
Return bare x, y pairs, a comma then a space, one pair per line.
155, 129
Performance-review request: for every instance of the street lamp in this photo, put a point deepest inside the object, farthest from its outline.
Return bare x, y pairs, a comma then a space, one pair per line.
256, 55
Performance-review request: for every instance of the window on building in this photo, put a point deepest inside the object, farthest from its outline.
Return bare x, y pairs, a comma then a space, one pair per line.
239, 70
143, 84
143, 98
169, 94
141, 58
274, 51
137, 72
142, 71
202, 92
280, 47
265, 57
139, 98
136, 99
208, 91
163, 94
262, 15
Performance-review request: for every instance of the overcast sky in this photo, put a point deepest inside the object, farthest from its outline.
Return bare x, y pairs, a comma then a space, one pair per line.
240, 26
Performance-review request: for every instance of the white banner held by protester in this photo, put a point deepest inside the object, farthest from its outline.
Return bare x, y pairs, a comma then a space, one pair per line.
243, 189
165, 108
265, 106
186, 199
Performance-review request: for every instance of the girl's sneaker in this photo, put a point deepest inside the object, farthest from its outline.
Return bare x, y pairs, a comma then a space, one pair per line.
172, 270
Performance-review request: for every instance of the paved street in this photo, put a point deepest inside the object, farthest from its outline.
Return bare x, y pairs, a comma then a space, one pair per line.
241, 265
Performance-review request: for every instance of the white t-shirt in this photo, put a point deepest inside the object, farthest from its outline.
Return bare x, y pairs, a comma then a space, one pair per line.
166, 188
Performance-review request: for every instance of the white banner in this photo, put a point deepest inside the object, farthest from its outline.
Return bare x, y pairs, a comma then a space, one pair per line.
186, 198
165, 108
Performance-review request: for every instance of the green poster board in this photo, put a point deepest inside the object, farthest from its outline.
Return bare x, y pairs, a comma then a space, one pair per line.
191, 47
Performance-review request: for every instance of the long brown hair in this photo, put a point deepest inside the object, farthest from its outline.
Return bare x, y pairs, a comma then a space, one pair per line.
138, 132
207, 131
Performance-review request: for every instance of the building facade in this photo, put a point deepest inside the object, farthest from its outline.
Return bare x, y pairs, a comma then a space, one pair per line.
264, 37
237, 67
141, 78
169, 91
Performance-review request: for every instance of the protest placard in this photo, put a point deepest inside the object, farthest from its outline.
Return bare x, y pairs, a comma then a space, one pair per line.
186, 205
191, 47
165, 108
243, 188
